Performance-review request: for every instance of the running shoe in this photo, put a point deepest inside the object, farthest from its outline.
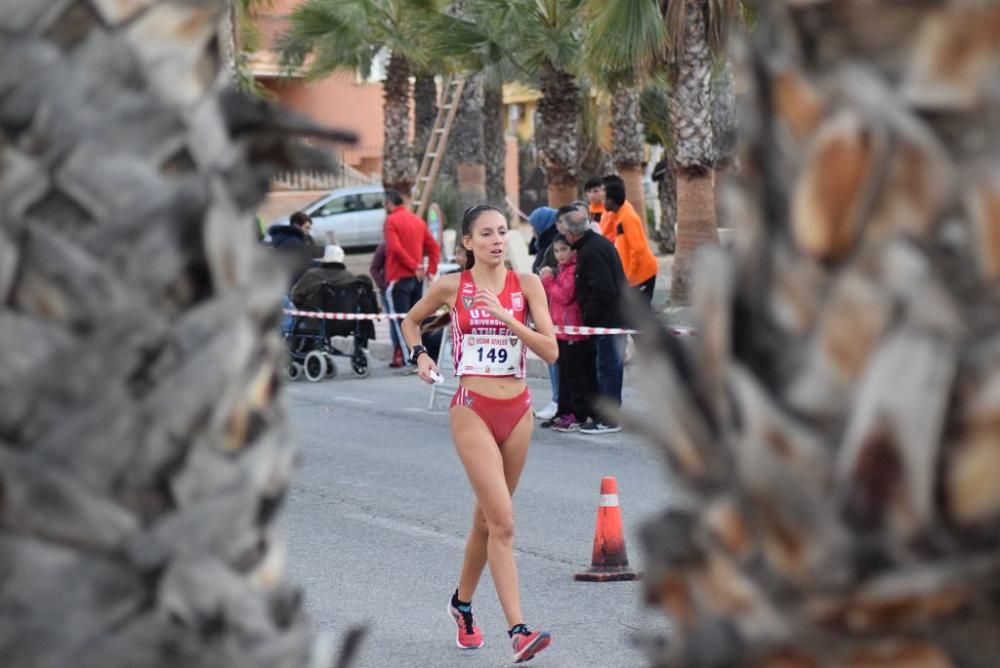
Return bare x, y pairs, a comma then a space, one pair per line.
528, 643
469, 636
599, 428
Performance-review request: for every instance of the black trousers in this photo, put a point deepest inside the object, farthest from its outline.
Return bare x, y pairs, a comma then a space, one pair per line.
577, 378
646, 289
400, 297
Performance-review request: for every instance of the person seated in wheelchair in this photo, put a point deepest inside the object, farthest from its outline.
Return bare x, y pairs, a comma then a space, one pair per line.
330, 287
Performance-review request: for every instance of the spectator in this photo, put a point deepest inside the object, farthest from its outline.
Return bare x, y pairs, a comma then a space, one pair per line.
631, 241
600, 280
607, 224
577, 356
331, 272
594, 189
377, 271
296, 234
407, 243
543, 226
295, 242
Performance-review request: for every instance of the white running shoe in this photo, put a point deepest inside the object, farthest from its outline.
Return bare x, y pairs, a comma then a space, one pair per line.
548, 412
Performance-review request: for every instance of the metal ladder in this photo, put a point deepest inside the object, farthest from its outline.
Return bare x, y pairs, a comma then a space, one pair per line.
451, 93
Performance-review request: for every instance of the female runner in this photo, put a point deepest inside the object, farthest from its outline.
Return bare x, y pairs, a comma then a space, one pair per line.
491, 419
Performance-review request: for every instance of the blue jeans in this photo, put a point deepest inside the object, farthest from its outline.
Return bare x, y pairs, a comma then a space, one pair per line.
554, 381
610, 365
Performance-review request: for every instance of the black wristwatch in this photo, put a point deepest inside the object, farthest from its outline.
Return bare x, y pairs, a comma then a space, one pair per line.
416, 352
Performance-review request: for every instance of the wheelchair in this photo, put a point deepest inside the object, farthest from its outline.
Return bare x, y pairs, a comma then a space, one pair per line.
311, 350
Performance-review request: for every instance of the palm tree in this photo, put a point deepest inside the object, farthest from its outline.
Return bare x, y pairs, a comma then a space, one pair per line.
622, 42
144, 446
494, 143
326, 35
832, 431
425, 110
540, 42
698, 31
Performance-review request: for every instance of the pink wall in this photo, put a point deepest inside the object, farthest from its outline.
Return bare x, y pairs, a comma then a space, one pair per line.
341, 102
338, 100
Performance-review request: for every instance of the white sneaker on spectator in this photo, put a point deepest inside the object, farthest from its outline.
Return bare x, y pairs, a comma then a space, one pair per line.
548, 412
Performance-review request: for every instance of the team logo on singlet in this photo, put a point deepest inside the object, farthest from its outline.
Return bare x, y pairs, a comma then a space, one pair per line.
516, 301
513, 340
467, 301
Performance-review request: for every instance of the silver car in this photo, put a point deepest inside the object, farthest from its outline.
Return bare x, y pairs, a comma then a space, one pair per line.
354, 214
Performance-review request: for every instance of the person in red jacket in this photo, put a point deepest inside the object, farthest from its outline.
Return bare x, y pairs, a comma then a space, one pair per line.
407, 243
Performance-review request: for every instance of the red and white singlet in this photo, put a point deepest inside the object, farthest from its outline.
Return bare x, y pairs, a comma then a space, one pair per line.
483, 345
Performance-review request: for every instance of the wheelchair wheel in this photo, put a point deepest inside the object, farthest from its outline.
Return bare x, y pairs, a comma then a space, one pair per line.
294, 371
315, 366
331, 366
360, 365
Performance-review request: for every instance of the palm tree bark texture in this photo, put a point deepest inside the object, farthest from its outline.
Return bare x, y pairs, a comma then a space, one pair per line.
399, 169
693, 144
558, 136
424, 112
494, 145
628, 143
833, 430
467, 137
144, 447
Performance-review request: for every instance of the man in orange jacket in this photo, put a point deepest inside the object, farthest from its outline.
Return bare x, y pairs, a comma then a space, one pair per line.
630, 239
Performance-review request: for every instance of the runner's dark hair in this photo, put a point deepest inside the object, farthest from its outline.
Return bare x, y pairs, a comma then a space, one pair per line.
469, 218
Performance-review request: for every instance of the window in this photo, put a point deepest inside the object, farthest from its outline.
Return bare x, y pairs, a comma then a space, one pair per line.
333, 207
373, 200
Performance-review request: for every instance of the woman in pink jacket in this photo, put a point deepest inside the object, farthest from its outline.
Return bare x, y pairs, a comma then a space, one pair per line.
577, 354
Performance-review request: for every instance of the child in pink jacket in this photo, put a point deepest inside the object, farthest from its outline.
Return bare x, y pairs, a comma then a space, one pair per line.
577, 353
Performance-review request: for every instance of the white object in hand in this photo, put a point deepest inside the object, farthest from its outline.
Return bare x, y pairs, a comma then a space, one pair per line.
436, 377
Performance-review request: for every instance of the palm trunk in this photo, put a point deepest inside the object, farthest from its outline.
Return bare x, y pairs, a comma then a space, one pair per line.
833, 427
694, 147
558, 140
467, 135
398, 167
666, 190
696, 206
495, 145
628, 145
424, 112
144, 445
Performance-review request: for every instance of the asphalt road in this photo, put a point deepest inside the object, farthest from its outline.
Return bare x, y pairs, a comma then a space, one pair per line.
379, 510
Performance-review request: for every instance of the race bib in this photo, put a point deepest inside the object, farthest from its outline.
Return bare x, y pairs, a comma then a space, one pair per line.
490, 355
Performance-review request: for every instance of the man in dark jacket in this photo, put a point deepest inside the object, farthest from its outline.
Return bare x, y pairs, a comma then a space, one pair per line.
309, 292
600, 282
295, 241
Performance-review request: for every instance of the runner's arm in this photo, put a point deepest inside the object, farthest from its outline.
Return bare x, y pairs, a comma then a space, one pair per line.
441, 292
542, 339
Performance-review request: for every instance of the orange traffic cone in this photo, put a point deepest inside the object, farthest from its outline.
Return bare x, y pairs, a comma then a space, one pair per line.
609, 562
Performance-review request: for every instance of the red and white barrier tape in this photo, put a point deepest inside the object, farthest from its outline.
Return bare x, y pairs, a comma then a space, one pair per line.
345, 316
582, 331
